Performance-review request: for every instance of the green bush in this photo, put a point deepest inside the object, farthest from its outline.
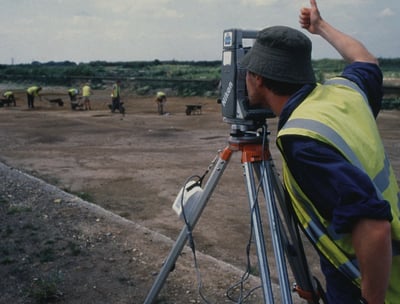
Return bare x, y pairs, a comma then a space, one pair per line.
391, 104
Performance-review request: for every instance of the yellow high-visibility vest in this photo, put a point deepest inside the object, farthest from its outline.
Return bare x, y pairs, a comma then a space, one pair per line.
86, 91
115, 91
34, 90
324, 116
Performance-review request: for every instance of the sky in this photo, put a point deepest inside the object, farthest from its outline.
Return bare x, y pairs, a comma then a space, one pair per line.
182, 30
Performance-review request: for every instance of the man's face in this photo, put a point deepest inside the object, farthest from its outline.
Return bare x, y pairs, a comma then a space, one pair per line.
253, 90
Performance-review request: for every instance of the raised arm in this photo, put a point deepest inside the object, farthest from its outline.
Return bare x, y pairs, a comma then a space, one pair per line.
348, 47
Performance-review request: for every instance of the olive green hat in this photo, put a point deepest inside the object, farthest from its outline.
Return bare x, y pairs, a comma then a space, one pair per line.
281, 53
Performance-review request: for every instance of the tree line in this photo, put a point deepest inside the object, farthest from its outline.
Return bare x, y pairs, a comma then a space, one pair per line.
183, 77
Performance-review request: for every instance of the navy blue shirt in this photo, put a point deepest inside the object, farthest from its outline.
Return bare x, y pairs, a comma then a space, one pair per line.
340, 191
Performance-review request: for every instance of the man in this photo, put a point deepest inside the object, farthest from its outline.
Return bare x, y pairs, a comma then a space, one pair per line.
73, 97
341, 184
116, 98
73, 94
86, 93
31, 93
161, 100
9, 98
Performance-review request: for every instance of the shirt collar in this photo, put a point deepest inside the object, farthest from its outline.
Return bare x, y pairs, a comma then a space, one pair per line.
294, 101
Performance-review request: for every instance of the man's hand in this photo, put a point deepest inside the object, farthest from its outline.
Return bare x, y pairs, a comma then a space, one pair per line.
310, 18
348, 47
373, 247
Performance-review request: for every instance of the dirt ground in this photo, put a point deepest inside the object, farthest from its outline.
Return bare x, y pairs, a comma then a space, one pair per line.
96, 223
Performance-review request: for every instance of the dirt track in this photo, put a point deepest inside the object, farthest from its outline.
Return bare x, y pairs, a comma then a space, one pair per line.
132, 166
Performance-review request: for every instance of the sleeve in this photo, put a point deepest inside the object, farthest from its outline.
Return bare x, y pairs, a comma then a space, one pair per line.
340, 191
369, 78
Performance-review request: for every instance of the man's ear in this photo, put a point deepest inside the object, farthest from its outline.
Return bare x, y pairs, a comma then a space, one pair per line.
259, 81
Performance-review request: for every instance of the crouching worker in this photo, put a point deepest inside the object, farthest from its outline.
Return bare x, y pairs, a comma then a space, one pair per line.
161, 100
31, 93
73, 94
9, 98
75, 100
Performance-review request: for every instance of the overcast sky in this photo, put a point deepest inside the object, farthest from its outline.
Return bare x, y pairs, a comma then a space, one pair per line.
131, 30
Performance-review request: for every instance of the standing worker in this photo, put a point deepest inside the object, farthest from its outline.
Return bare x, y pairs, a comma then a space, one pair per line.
86, 93
116, 98
31, 93
10, 98
161, 100
340, 182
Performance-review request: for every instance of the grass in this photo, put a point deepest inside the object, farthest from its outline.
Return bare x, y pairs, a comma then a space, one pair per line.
7, 260
391, 104
124, 214
83, 195
46, 255
45, 289
7, 231
75, 249
15, 209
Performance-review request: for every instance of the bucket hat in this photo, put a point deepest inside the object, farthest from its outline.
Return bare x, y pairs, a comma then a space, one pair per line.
281, 53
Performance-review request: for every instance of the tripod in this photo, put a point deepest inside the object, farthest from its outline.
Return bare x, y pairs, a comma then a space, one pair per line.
257, 163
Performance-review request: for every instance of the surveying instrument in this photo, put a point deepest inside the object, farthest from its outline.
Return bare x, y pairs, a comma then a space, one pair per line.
249, 136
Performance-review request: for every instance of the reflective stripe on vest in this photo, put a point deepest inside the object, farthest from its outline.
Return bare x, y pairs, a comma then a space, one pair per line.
322, 237
381, 180
347, 83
